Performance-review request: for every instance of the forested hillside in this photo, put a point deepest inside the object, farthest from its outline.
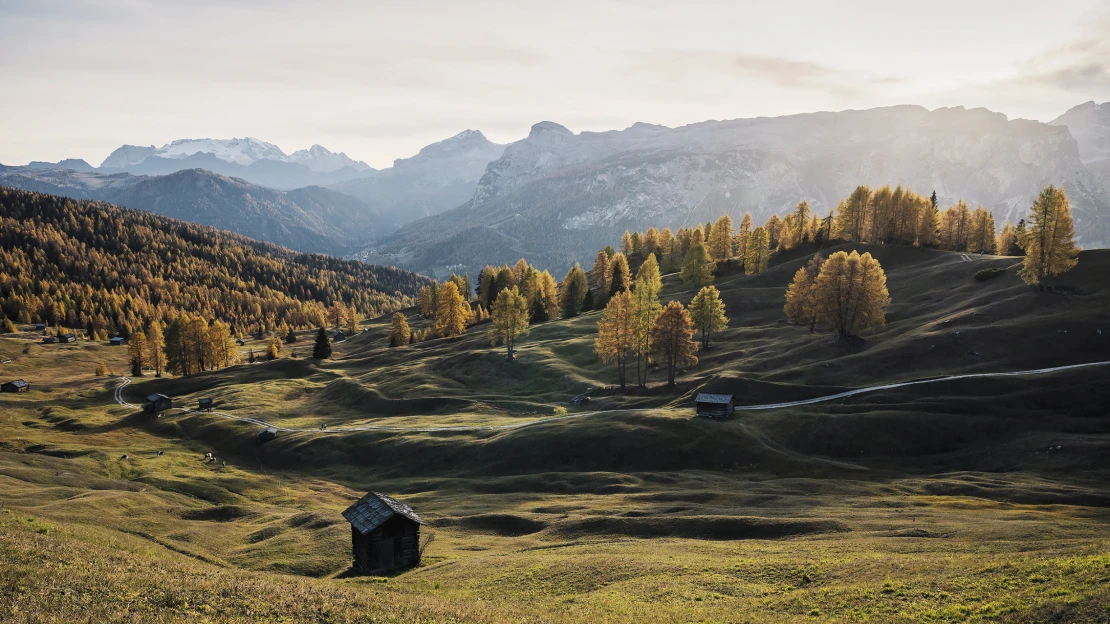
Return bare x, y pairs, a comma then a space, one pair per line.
91, 264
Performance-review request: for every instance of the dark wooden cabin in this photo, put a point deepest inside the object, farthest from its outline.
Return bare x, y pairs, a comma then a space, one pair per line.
205, 404
157, 403
40, 326
338, 337
15, 386
385, 534
714, 405
116, 341
49, 340
68, 338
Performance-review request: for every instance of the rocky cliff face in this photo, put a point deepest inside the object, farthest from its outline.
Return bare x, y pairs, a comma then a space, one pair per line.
440, 177
556, 197
1090, 125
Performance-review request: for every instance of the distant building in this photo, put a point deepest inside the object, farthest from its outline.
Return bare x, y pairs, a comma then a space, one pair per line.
240, 342
157, 403
68, 338
15, 386
385, 534
49, 340
115, 341
267, 434
714, 405
339, 337
40, 326
205, 404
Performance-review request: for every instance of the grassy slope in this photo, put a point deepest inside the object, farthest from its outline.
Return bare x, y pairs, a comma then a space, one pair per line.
931, 503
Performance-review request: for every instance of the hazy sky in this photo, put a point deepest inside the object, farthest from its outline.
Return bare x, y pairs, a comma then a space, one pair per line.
380, 79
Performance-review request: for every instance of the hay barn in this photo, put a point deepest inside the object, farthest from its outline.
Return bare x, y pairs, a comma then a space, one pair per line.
385, 534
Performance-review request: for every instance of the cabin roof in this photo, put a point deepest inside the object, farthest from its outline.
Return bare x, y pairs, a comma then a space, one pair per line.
371, 511
153, 398
116, 339
19, 383
705, 397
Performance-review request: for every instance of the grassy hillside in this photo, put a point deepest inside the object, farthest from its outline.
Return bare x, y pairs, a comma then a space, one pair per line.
976, 500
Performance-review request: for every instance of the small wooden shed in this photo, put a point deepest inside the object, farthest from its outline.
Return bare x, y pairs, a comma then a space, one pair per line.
385, 534
49, 340
205, 404
17, 385
68, 338
339, 337
116, 341
715, 405
157, 403
40, 326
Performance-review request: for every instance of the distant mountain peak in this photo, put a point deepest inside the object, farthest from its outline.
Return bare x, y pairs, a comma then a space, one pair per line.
547, 129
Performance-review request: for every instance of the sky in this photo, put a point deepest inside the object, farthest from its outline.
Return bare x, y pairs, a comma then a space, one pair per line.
379, 79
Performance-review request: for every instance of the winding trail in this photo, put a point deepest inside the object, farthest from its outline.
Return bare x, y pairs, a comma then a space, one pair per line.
124, 381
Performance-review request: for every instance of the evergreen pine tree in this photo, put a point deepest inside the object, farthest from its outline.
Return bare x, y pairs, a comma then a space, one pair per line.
321, 350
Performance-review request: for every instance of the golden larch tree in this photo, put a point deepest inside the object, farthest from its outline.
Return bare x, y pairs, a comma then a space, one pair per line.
671, 338
399, 332
802, 228
509, 317
707, 313
599, 274
137, 352
645, 298
851, 293
155, 347
1050, 248
452, 313
742, 234
572, 292
698, 269
720, 239
758, 252
619, 276
801, 295
615, 336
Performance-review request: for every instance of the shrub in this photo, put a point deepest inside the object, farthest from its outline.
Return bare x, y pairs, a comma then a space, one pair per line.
987, 274
102, 370
560, 411
7, 327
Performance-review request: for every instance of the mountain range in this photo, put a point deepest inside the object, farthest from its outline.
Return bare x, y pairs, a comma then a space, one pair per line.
313, 219
555, 197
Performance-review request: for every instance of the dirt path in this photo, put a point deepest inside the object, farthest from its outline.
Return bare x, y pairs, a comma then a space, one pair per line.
124, 381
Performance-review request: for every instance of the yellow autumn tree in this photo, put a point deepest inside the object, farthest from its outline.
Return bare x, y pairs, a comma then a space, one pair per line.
851, 293
137, 352
399, 332
698, 269
645, 298
155, 347
671, 338
619, 275
509, 316
801, 295
720, 239
707, 313
452, 312
758, 252
1050, 248
615, 336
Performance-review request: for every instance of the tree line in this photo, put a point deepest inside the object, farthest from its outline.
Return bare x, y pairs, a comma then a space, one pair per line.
110, 270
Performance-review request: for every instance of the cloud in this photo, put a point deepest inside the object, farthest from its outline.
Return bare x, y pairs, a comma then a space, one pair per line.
1079, 67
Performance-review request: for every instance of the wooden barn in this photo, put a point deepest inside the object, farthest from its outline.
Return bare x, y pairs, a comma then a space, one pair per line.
385, 534
157, 403
204, 404
15, 386
715, 405
49, 340
339, 337
116, 341
68, 338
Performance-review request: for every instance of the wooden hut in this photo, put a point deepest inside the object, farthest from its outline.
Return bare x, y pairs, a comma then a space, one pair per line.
339, 337
157, 403
49, 340
17, 385
68, 338
714, 405
40, 326
385, 534
205, 404
116, 341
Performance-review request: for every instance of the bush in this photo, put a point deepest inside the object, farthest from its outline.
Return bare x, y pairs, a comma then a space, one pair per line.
102, 370
560, 411
987, 274
7, 327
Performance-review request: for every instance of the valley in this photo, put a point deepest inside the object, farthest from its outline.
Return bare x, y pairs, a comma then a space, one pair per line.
977, 499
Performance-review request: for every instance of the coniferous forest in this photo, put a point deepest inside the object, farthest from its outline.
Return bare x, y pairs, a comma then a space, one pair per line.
91, 265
